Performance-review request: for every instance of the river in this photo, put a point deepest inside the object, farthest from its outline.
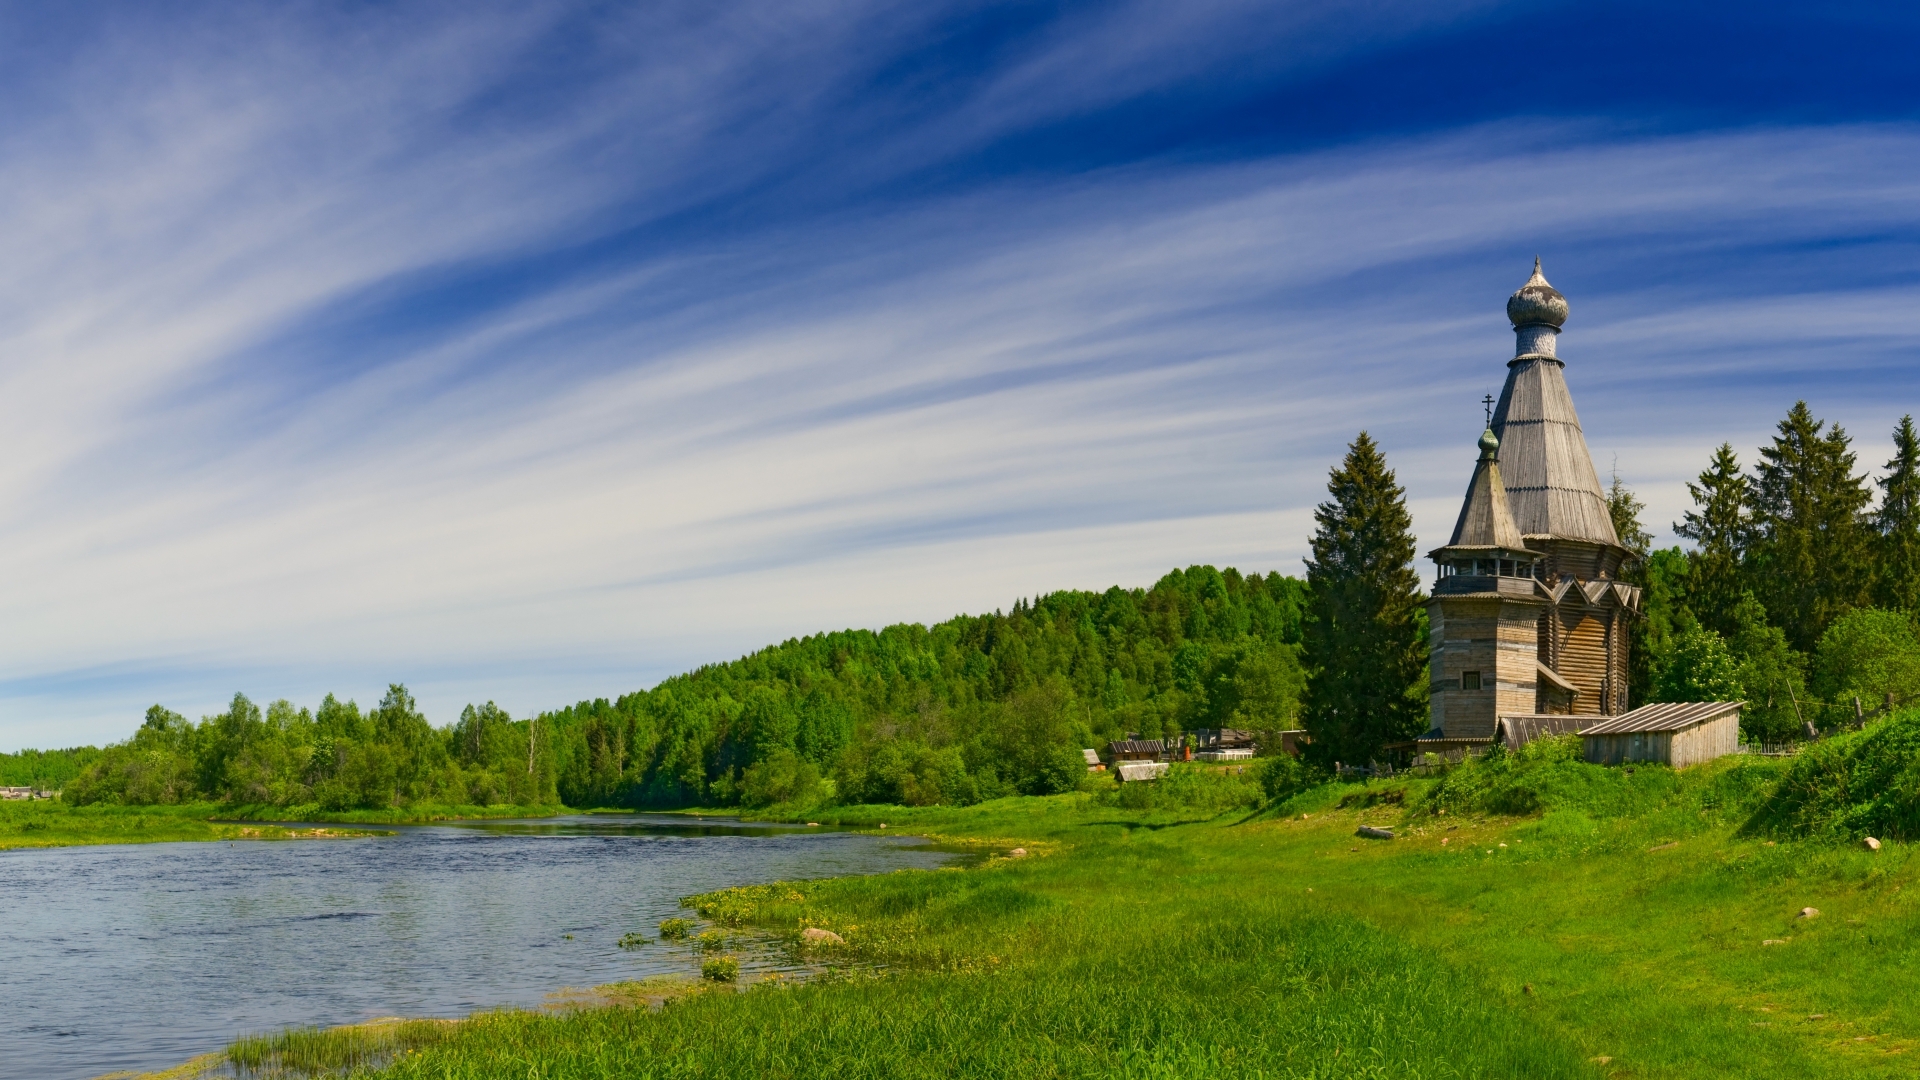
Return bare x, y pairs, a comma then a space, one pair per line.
140, 956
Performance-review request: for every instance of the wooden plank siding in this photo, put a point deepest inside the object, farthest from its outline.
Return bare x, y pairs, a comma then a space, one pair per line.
1690, 745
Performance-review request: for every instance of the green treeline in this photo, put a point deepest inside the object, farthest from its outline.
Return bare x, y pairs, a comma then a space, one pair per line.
45, 770
335, 757
1798, 597
1803, 587
972, 708
969, 709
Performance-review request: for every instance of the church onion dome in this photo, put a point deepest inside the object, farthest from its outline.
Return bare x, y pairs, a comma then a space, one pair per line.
1537, 303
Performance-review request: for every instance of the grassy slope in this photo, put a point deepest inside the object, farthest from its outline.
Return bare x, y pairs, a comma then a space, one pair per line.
1134, 943
35, 824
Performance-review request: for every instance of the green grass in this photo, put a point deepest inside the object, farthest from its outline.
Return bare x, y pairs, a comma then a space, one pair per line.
1616, 928
26, 824
415, 814
52, 823
315, 1051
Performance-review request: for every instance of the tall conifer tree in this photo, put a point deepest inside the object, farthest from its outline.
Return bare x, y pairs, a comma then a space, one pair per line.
1624, 507
1898, 569
1722, 527
1367, 668
1813, 553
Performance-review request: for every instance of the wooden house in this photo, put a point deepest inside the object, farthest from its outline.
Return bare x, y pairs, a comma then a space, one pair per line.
1223, 744
1670, 733
1527, 616
1120, 750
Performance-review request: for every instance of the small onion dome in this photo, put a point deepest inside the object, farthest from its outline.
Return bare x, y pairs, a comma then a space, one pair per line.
1489, 445
1537, 302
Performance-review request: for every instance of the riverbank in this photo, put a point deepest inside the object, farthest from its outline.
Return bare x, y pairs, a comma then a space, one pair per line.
1627, 929
42, 823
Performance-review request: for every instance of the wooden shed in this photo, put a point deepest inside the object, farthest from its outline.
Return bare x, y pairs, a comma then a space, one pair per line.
1136, 750
1516, 731
1678, 733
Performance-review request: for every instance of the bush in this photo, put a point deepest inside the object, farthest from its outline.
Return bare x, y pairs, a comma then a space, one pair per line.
1870, 653
1192, 787
1698, 667
1543, 774
1283, 776
784, 777
1865, 783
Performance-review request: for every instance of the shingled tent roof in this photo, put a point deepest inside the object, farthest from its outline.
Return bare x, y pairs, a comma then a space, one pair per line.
1485, 520
1550, 481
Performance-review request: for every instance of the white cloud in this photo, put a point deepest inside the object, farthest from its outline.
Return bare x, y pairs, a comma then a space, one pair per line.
233, 455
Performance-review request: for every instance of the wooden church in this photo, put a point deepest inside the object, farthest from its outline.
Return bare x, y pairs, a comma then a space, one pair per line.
1529, 624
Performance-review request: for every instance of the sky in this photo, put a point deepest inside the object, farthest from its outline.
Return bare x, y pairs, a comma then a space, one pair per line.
536, 352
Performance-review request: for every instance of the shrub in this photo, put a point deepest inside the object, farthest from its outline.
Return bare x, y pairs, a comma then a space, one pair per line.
1192, 787
784, 777
1547, 773
1283, 776
1864, 783
1870, 653
1698, 667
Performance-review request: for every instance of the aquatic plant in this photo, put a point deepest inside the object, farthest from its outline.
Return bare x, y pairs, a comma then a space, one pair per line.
317, 1051
675, 929
720, 969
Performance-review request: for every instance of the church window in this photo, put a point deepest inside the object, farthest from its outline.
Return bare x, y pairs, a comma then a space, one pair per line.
1469, 680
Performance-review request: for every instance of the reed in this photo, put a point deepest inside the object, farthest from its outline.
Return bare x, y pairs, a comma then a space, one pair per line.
305, 1052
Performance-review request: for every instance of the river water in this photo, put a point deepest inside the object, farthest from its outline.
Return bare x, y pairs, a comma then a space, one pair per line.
140, 956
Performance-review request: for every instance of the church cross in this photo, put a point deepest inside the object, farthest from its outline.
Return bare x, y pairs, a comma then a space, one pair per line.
1488, 402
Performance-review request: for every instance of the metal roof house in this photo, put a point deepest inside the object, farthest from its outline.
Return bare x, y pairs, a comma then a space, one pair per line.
1670, 733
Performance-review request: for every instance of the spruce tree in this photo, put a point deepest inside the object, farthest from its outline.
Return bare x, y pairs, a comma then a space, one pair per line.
1624, 507
1898, 566
1811, 558
1722, 529
1367, 668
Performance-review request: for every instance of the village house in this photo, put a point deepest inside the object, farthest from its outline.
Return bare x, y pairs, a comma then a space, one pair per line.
1223, 744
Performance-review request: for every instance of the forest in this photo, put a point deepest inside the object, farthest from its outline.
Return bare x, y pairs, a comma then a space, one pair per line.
1798, 596
969, 709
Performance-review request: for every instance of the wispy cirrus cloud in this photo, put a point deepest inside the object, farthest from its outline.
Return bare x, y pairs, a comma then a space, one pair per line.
545, 354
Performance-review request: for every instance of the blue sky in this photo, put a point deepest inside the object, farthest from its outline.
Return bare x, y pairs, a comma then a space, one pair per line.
537, 352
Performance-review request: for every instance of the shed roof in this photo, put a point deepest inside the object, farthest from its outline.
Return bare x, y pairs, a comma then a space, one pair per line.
1519, 729
1664, 716
1135, 746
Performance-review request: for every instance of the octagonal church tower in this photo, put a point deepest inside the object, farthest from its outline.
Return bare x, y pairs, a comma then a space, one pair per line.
1527, 616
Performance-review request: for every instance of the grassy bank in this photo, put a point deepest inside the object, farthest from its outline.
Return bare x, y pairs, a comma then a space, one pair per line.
52, 824
416, 814
34, 824
1620, 925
